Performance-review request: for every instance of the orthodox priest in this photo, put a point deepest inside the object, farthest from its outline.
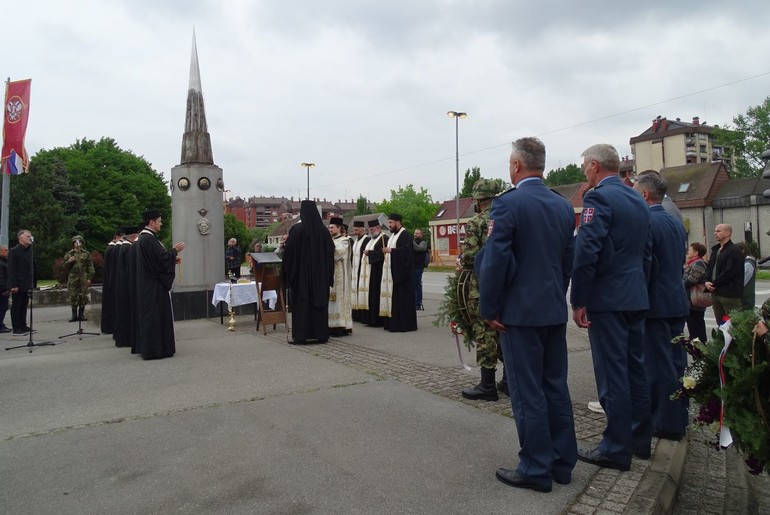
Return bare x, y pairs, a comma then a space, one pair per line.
124, 289
371, 272
340, 311
397, 285
359, 284
108, 278
308, 265
154, 277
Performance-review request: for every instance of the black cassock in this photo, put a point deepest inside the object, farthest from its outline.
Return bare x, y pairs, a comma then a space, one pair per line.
403, 314
108, 299
376, 260
154, 277
308, 264
121, 330
132, 298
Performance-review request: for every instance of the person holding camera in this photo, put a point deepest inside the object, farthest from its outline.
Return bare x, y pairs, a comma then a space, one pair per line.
80, 271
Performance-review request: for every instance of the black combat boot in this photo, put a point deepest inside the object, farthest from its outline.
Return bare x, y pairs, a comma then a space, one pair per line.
82, 314
484, 391
74, 314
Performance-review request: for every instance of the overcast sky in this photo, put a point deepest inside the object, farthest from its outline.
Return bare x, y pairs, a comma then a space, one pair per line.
362, 87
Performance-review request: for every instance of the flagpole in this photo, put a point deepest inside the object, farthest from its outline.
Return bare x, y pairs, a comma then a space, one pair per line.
6, 182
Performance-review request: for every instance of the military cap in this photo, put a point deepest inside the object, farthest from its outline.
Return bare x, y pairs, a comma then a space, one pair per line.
486, 189
77, 237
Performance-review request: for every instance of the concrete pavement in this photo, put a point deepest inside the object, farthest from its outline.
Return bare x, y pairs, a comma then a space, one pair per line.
238, 422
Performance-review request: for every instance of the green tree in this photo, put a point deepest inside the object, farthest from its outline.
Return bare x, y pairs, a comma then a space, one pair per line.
89, 187
34, 205
234, 228
471, 176
746, 140
362, 206
570, 174
416, 207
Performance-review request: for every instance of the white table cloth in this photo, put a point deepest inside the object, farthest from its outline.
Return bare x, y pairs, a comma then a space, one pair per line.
243, 293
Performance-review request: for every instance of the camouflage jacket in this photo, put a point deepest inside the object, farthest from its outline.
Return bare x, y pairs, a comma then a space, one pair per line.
82, 267
475, 237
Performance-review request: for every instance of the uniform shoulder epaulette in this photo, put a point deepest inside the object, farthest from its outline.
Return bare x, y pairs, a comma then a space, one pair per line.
512, 188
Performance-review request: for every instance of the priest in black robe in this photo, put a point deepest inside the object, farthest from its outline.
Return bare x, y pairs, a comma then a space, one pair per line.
121, 332
371, 265
308, 264
108, 278
154, 277
399, 263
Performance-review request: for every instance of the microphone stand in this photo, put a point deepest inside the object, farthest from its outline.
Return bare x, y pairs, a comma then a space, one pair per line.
80, 331
30, 344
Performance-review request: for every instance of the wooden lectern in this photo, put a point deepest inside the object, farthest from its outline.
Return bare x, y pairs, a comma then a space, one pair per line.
266, 268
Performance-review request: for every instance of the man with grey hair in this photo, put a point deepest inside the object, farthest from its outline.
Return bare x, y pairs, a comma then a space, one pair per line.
666, 202
21, 280
523, 277
609, 297
665, 363
233, 258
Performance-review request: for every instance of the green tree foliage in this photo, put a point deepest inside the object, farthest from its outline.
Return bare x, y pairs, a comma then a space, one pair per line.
234, 228
471, 176
362, 206
35, 205
90, 188
570, 174
416, 207
747, 140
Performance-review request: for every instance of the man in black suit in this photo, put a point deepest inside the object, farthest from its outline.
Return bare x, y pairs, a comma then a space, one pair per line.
20, 281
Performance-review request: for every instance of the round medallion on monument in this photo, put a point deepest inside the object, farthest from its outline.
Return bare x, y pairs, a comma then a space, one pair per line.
204, 183
220, 184
183, 183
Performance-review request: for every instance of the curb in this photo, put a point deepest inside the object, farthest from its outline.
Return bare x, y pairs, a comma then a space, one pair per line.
658, 490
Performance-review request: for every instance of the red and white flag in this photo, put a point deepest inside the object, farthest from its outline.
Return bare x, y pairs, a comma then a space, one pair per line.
15, 118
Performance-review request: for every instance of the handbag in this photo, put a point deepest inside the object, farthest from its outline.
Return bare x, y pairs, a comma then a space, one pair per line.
699, 297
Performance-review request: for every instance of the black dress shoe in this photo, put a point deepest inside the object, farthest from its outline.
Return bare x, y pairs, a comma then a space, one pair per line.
511, 478
665, 435
562, 481
643, 455
297, 342
596, 457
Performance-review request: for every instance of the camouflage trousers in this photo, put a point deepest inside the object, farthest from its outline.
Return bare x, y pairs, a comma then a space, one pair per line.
78, 292
486, 338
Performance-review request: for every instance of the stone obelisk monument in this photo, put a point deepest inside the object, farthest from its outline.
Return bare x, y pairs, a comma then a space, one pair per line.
196, 208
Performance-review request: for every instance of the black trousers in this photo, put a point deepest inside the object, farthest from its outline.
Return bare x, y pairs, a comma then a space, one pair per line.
19, 303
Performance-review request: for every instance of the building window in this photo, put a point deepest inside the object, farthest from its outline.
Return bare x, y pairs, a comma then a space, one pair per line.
441, 213
684, 187
703, 149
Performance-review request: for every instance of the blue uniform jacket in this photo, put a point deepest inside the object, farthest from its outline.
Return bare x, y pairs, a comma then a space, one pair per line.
612, 250
668, 298
527, 258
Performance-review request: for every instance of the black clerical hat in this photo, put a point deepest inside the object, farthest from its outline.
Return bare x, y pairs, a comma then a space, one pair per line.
373, 223
395, 217
358, 223
336, 221
150, 214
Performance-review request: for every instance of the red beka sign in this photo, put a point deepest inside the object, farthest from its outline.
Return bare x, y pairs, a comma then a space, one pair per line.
15, 118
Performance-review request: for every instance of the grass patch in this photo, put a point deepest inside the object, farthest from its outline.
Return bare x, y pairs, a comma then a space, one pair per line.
763, 275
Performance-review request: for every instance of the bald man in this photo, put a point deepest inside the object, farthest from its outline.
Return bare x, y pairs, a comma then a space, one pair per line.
724, 274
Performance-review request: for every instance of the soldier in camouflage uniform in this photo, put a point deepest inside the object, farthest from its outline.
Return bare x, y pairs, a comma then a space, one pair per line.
80, 270
486, 338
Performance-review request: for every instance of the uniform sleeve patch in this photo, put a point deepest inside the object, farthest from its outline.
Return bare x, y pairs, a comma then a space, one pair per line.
489, 228
588, 215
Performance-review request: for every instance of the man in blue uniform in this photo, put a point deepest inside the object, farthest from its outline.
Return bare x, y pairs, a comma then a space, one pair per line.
665, 363
609, 297
523, 280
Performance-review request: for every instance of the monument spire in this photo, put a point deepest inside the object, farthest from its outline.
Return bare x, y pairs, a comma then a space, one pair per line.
196, 142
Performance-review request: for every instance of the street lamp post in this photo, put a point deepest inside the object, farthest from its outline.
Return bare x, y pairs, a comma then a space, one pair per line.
457, 115
308, 166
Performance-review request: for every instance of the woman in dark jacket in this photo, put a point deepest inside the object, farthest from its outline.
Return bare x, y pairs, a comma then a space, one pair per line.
694, 273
